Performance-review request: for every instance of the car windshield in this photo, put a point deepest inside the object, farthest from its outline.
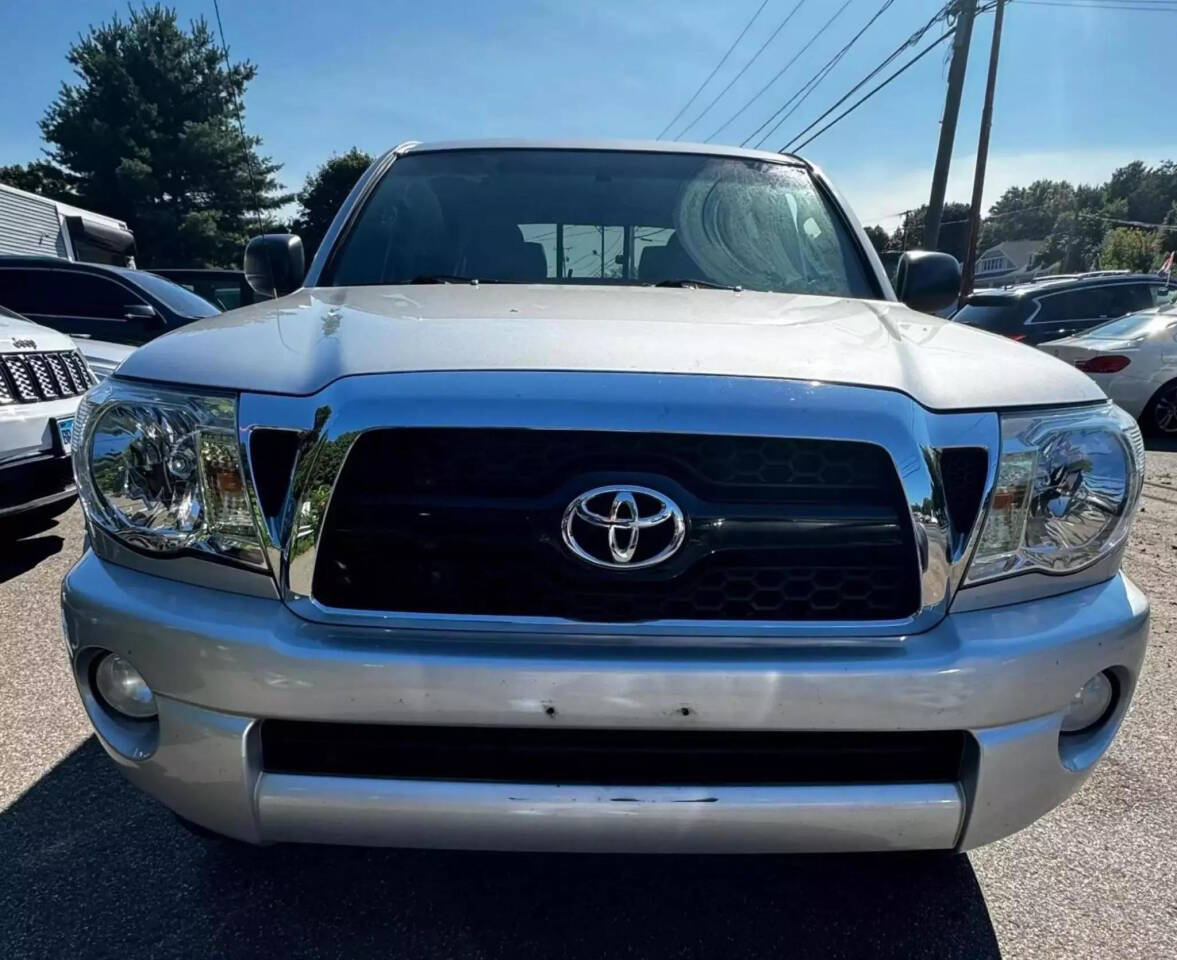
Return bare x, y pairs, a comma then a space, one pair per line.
172, 295
601, 217
1134, 326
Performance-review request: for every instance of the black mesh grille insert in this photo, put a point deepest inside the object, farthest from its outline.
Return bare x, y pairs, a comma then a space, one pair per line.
271, 455
468, 522
963, 470
610, 757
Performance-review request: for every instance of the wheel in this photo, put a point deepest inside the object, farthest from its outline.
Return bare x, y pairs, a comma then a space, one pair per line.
1160, 416
33, 521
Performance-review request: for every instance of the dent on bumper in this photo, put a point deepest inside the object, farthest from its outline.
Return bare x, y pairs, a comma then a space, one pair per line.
219, 661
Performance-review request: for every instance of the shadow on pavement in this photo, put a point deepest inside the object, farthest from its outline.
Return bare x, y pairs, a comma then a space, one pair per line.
20, 556
95, 869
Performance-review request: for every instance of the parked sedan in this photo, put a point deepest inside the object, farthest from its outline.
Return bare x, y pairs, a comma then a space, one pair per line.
1134, 359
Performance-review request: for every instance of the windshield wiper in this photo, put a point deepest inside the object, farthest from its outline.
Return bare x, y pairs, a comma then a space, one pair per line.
441, 278
692, 282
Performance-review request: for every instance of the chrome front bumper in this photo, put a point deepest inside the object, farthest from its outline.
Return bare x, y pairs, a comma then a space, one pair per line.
220, 661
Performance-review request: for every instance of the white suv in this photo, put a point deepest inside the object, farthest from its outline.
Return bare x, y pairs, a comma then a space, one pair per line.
42, 377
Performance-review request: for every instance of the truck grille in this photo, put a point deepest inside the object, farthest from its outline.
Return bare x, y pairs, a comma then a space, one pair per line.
458, 521
34, 377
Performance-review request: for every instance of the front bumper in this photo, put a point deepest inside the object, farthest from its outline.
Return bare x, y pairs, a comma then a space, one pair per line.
34, 469
220, 662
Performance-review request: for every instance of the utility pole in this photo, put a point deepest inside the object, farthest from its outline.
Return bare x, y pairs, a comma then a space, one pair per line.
970, 257
966, 11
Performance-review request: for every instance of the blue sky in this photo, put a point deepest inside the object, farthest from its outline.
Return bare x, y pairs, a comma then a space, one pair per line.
1080, 91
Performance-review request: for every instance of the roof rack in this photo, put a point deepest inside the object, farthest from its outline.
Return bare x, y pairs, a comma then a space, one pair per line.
1086, 275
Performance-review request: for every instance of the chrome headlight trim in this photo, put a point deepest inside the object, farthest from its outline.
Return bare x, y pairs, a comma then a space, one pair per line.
1067, 487
158, 469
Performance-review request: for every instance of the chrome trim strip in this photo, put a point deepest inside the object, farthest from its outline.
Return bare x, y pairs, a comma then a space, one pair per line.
332, 419
516, 816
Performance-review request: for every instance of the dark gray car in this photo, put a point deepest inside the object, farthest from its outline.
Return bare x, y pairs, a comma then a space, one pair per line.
1055, 307
97, 301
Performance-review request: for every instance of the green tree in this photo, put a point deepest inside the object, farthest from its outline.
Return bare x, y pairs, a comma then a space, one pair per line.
878, 237
1027, 213
149, 133
954, 230
1126, 248
40, 177
324, 192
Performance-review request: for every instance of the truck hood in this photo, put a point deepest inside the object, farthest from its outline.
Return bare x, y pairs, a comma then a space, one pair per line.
300, 343
14, 331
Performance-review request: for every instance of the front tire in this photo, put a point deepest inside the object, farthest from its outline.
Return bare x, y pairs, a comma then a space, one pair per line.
1160, 416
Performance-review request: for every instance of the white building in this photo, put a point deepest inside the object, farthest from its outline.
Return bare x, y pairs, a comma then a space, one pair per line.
1008, 262
32, 224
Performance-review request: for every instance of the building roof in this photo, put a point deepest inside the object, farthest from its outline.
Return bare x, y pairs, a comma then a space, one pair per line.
1017, 252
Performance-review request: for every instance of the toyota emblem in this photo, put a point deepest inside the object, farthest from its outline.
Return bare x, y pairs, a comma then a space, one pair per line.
623, 527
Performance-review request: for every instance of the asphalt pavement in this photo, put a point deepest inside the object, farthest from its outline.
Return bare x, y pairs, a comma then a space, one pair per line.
89, 867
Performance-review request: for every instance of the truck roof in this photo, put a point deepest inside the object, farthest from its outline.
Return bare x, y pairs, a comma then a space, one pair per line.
634, 146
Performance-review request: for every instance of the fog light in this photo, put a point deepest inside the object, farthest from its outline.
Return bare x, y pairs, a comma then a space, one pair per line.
123, 688
1089, 704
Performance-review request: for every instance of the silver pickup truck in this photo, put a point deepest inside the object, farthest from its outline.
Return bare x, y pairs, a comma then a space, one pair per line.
602, 497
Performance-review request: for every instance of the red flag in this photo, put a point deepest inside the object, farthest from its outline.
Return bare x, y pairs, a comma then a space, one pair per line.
1167, 266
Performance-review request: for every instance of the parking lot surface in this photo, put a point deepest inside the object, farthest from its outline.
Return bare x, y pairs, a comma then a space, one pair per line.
92, 868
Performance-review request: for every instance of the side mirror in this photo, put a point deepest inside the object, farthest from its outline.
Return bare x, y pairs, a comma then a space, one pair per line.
275, 264
140, 311
927, 281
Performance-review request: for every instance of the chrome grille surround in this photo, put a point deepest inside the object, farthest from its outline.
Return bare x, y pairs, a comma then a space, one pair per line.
330, 421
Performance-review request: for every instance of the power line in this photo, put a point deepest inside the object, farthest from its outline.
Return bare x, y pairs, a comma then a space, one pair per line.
779, 73
911, 41
813, 82
1104, 5
722, 61
858, 103
1129, 223
772, 36
257, 196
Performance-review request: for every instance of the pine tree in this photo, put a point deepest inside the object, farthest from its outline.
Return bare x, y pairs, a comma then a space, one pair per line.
150, 134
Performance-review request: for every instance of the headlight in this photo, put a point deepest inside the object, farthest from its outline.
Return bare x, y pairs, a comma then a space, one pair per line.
1066, 490
161, 470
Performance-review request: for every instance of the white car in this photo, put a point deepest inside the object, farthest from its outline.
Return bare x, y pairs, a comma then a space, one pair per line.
1134, 359
42, 378
103, 356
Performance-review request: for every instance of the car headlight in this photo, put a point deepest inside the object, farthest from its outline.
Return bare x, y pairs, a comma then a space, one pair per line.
1066, 490
160, 469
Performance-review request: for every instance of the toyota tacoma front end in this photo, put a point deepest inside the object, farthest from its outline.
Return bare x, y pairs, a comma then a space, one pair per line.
591, 497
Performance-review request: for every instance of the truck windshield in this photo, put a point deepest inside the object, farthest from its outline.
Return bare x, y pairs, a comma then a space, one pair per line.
600, 217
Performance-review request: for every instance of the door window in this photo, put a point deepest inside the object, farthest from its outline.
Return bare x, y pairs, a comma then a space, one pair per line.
29, 292
83, 295
1126, 298
1063, 307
